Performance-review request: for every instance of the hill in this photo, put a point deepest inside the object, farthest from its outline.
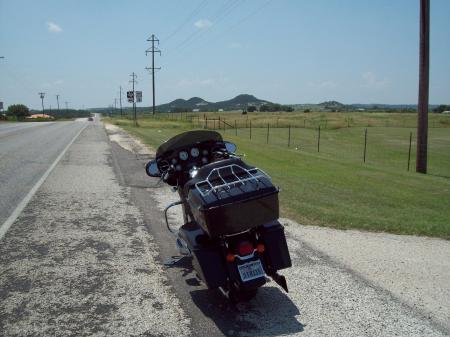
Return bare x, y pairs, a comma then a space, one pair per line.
194, 103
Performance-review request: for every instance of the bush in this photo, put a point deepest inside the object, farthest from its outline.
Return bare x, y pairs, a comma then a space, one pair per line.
18, 110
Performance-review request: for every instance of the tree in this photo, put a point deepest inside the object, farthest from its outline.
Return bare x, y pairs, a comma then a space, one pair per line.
18, 110
251, 108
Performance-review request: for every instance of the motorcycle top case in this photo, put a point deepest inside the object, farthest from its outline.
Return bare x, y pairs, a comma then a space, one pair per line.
237, 207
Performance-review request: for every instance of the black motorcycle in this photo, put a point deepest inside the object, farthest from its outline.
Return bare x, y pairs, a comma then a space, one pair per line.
230, 209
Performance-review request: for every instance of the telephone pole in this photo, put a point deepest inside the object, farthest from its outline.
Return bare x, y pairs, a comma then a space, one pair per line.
120, 100
424, 70
41, 95
153, 50
133, 81
67, 107
57, 102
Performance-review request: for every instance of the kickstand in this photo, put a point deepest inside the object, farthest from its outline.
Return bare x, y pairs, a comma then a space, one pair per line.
174, 260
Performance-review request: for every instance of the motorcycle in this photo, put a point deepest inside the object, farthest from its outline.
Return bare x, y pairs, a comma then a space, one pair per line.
231, 229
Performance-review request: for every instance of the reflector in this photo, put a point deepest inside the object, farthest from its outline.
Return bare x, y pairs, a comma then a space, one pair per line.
245, 248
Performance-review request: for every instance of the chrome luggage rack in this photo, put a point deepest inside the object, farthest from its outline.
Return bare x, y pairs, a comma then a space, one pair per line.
222, 179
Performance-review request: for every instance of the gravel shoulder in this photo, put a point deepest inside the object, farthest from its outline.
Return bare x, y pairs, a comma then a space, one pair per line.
79, 260
342, 283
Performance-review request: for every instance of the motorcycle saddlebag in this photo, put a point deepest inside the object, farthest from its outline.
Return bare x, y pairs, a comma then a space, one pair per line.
277, 252
207, 257
238, 206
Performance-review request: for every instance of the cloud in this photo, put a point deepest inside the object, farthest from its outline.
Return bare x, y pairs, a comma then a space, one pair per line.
203, 24
196, 83
323, 85
234, 45
371, 80
53, 27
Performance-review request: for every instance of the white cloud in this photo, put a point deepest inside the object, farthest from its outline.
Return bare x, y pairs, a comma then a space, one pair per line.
53, 27
371, 80
234, 45
207, 82
203, 23
324, 84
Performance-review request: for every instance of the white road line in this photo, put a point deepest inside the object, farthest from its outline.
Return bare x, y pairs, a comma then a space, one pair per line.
20, 207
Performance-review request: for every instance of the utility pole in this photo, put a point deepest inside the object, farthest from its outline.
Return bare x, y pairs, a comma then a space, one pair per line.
115, 105
57, 102
67, 107
424, 72
41, 95
120, 100
153, 50
133, 81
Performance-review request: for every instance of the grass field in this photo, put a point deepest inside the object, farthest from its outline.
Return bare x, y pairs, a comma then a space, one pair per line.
334, 187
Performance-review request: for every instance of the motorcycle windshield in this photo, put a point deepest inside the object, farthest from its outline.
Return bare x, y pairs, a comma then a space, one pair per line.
187, 139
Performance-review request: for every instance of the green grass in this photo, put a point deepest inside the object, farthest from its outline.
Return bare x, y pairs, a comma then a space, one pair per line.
334, 187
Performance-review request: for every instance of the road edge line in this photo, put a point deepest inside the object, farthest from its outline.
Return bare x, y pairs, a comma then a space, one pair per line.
21, 206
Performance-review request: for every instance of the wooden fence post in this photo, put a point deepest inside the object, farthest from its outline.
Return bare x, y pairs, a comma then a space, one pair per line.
289, 136
365, 144
318, 139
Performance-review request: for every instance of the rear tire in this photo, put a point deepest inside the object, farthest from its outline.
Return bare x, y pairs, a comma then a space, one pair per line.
237, 296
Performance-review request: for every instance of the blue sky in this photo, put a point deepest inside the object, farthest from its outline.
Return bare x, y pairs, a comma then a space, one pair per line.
287, 51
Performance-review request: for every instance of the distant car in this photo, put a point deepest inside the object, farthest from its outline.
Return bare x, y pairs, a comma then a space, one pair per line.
90, 119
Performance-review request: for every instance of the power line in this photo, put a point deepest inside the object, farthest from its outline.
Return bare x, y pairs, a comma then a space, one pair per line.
186, 21
153, 50
218, 16
424, 74
41, 95
57, 102
120, 100
133, 81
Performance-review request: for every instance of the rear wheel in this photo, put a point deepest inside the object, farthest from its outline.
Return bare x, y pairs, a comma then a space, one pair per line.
236, 295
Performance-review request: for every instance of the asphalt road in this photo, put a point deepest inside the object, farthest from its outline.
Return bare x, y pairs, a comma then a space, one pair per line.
26, 152
84, 258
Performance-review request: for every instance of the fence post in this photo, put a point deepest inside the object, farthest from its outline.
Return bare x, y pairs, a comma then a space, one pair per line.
214, 127
206, 123
365, 144
219, 122
289, 136
318, 139
409, 151
250, 129
268, 126
235, 127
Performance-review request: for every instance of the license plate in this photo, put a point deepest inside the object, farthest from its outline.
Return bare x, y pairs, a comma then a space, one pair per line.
251, 270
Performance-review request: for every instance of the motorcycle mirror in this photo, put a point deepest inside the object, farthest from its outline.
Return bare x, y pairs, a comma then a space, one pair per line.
152, 169
231, 147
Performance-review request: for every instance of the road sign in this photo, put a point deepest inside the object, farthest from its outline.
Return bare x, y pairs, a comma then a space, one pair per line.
138, 96
130, 96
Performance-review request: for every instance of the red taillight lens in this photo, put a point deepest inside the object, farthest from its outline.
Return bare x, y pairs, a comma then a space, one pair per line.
260, 248
230, 257
245, 248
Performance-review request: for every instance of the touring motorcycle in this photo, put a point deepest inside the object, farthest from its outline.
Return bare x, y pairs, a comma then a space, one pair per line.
230, 209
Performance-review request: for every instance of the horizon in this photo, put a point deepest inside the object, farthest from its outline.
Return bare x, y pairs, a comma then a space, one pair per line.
285, 52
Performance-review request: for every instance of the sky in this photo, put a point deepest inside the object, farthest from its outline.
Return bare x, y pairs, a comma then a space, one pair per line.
285, 51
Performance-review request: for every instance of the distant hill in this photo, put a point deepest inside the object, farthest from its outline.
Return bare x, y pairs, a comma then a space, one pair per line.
236, 103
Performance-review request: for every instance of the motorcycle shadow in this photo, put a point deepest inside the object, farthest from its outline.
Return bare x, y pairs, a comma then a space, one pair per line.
270, 313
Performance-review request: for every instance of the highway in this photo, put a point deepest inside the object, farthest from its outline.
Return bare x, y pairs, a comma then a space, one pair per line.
26, 152
84, 253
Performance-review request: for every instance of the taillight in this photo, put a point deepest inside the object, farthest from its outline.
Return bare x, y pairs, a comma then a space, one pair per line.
230, 257
260, 248
245, 248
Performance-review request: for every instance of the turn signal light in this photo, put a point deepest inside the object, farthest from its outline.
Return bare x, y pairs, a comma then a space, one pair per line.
260, 248
245, 248
230, 257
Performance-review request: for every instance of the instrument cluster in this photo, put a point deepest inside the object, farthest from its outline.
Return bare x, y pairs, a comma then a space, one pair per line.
186, 158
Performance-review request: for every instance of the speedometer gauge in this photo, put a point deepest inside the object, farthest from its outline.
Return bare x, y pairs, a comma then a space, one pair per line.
183, 155
195, 152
